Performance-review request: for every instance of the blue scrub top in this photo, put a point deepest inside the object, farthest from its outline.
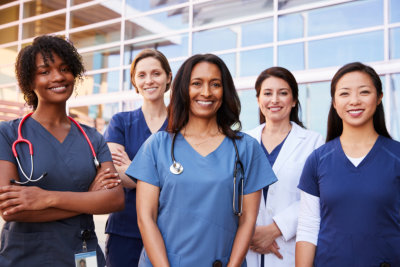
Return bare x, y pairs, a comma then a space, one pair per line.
195, 213
130, 130
360, 206
69, 166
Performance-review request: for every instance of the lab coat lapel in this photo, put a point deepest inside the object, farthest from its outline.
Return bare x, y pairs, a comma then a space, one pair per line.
290, 145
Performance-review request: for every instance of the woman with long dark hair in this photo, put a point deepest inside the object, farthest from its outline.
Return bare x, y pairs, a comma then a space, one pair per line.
198, 185
350, 199
286, 144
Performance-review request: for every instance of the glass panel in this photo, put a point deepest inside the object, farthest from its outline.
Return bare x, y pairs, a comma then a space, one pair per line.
9, 93
290, 27
11, 105
9, 34
395, 107
99, 83
224, 10
8, 56
342, 17
258, 32
34, 8
175, 65
159, 23
315, 108
97, 36
394, 10
9, 14
254, 61
394, 43
171, 47
97, 116
249, 113
209, 41
230, 62
43, 26
283, 4
338, 51
7, 74
95, 13
106, 58
135, 6
291, 56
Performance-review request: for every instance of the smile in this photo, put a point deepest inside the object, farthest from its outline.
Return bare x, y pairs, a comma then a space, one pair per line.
58, 89
204, 103
355, 112
274, 109
150, 89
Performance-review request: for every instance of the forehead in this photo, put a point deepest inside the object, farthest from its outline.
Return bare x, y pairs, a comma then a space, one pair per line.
205, 69
148, 63
354, 79
273, 82
48, 59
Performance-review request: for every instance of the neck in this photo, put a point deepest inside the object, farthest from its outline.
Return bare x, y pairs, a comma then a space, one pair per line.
154, 109
277, 127
51, 115
360, 134
201, 127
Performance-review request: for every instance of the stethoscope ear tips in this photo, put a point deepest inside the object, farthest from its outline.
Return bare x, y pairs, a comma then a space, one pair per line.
176, 168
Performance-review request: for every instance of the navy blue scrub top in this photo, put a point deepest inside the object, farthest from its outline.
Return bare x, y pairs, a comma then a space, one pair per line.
69, 166
360, 206
130, 130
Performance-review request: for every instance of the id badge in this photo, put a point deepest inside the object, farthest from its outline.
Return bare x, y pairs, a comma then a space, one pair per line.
86, 259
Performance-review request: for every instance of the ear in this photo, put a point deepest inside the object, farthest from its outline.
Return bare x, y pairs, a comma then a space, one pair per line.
379, 99
169, 80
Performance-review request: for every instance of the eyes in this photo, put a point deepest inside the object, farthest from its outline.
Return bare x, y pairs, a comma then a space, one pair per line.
213, 84
281, 93
363, 92
155, 74
46, 71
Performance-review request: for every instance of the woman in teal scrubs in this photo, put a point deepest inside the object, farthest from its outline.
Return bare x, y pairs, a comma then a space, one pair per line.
188, 218
49, 221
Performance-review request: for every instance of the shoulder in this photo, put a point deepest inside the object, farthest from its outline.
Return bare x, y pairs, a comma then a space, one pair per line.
328, 149
308, 134
9, 128
256, 132
392, 147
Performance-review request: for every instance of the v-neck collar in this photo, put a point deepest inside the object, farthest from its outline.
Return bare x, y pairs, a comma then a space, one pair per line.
163, 126
370, 155
180, 136
48, 135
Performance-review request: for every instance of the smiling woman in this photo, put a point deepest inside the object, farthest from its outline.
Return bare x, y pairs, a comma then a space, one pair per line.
48, 220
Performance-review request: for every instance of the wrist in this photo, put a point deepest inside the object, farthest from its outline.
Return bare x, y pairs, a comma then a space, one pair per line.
277, 232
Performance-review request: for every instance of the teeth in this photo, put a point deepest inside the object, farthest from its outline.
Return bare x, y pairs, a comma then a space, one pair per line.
355, 111
274, 109
150, 89
58, 88
204, 102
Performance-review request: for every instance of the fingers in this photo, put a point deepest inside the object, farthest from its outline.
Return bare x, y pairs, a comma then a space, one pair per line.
120, 158
274, 249
111, 183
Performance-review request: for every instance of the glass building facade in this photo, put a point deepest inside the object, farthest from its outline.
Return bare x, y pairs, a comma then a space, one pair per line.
312, 38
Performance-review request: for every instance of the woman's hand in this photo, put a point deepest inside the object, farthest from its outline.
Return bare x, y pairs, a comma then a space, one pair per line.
263, 240
15, 199
105, 180
120, 158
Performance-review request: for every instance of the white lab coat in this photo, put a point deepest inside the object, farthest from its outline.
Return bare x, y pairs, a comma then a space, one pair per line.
283, 197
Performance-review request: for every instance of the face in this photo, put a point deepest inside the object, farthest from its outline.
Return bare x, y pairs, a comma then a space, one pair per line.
205, 90
151, 79
356, 99
275, 99
53, 82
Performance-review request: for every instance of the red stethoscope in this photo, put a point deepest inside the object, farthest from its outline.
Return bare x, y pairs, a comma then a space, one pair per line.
20, 139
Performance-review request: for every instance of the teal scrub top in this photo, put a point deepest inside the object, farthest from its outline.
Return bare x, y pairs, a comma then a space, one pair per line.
195, 215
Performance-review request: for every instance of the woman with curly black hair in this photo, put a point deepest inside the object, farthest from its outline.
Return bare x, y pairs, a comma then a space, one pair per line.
50, 188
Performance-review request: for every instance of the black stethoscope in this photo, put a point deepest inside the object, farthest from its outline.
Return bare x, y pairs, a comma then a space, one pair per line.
20, 139
177, 168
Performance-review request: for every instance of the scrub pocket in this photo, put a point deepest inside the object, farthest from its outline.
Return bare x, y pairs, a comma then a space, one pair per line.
144, 261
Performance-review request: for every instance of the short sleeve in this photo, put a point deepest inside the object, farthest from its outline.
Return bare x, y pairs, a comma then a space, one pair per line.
309, 177
258, 171
6, 142
144, 164
115, 132
103, 153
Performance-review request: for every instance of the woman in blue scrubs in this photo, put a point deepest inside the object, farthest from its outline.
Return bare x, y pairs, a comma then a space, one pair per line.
151, 75
287, 145
188, 217
48, 220
350, 200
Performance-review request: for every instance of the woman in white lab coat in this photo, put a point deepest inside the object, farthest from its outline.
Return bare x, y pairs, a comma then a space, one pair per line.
287, 144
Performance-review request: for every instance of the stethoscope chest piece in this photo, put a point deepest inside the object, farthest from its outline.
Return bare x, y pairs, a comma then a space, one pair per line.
176, 168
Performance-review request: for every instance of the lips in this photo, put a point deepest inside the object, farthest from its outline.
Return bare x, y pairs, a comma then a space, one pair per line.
275, 109
152, 89
355, 112
58, 89
204, 102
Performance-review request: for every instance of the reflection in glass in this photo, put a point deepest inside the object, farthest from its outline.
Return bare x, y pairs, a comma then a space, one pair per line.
343, 17
338, 51
43, 26
284, 4
97, 36
159, 23
170, 46
395, 107
291, 56
258, 32
394, 9
394, 47
96, 13
249, 113
135, 6
9, 34
9, 14
223, 10
290, 26
105, 58
34, 8
254, 61
212, 40
98, 83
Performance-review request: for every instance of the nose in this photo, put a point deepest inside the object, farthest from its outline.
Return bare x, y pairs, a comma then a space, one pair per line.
148, 79
354, 99
58, 75
206, 90
275, 98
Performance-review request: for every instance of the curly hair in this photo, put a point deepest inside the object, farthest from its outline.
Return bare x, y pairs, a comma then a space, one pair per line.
46, 45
